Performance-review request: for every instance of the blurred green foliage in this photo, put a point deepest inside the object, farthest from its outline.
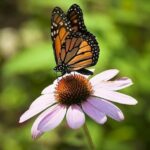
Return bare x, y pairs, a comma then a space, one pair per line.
26, 62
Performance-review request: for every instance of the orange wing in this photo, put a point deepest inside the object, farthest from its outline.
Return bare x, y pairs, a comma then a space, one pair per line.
81, 51
60, 28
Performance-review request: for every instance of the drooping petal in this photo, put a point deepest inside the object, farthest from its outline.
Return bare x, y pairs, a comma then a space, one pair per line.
35, 133
104, 76
51, 118
34, 130
106, 107
114, 85
43, 100
49, 89
94, 113
54, 115
37, 106
115, 96
75, 117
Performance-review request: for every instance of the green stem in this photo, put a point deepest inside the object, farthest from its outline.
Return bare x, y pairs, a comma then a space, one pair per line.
88, 136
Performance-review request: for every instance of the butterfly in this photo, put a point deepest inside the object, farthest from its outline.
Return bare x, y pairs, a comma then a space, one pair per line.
74, 47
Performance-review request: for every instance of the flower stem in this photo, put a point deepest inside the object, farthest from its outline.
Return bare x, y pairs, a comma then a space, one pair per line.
88, 136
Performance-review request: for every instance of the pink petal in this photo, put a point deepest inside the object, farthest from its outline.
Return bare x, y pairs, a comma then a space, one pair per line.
34, 130
106, 107
75, 117
37, 106
49, 89
115, 85
115, 96
104, 76
43, 100
36, 134
51, 118
94, 113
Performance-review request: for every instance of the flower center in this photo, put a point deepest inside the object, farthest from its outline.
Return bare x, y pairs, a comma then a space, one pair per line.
73, 89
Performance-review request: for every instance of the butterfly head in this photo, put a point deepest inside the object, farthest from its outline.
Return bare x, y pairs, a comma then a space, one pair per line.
61, 68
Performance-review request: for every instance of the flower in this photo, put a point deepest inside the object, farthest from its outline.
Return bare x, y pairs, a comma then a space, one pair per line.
74, 95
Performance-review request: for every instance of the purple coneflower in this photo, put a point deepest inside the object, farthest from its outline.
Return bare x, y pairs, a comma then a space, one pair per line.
74, 95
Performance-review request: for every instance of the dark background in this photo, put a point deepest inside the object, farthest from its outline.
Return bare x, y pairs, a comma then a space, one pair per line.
26, 62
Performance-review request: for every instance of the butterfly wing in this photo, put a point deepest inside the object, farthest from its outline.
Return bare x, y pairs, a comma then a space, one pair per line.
75, 16
80, 51
74, 47
60, 28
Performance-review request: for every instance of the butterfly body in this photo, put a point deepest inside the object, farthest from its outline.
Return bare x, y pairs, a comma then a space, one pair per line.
74, 47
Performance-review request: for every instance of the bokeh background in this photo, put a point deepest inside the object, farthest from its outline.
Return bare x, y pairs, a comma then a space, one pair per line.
26, 62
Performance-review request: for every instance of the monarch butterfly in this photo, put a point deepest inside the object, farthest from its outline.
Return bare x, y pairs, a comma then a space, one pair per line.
74, 47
